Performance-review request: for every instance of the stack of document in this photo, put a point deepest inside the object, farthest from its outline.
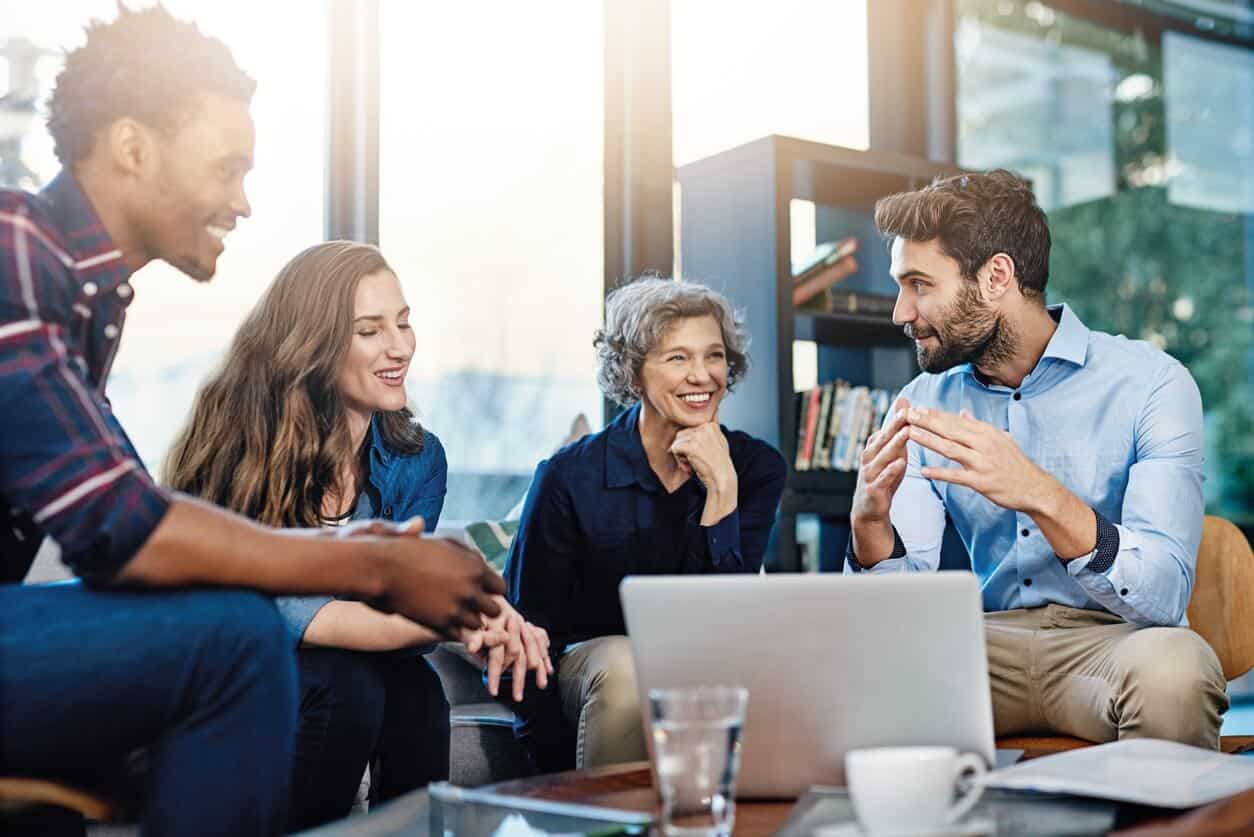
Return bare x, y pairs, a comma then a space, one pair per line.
1144, 771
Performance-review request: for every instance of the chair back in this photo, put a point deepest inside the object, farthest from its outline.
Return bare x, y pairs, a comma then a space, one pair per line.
1222, 606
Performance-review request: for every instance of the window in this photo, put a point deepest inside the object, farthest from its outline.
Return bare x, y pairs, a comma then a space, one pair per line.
491, 212
177, 329
1142, 153
741, 71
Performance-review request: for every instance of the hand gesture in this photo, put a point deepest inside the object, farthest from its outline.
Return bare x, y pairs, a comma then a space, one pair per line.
990, 460
703, 450
524, 648
883, 468
436, 582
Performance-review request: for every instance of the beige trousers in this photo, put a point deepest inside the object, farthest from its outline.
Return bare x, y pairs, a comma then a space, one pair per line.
1089, 674
597, 680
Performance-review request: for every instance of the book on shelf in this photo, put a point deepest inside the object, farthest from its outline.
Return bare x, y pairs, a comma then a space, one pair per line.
809, 418
832, 431
831, 262
820, 435
834, 421
857, 302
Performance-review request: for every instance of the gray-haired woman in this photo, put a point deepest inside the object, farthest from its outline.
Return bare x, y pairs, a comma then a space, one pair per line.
624, 502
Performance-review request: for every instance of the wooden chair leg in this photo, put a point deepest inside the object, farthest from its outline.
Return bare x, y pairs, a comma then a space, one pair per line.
17, 794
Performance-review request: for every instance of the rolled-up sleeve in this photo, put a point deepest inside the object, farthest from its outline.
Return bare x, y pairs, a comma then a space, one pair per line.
298, 611
1143, 568
64, 459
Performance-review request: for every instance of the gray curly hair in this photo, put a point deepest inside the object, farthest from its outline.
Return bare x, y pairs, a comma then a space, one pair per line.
638, 314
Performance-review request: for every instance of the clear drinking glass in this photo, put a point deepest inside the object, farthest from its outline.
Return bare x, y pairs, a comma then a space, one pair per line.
696, 742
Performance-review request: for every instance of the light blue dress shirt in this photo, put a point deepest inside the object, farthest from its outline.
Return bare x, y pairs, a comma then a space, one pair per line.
1116, 421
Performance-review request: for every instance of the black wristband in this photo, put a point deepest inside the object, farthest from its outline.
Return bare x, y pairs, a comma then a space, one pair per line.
1107, 545
899, 551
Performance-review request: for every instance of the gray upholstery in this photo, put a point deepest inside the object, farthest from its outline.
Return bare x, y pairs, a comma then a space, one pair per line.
482, 747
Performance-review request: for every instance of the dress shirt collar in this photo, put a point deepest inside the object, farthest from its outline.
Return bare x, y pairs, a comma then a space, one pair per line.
1069, 343
95, 257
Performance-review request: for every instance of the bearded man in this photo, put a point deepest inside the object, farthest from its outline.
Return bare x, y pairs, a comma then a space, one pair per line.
1070, 462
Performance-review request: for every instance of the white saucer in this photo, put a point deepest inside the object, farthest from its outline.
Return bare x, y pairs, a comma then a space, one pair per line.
974, 827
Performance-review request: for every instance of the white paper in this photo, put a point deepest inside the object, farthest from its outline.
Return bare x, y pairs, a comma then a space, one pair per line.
1145, 771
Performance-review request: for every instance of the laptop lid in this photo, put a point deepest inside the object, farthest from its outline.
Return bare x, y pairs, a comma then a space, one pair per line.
832, 663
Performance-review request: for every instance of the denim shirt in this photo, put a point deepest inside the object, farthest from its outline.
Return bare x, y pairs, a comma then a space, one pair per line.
398, 487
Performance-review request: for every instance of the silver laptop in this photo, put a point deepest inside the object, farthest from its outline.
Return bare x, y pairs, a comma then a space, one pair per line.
832, 663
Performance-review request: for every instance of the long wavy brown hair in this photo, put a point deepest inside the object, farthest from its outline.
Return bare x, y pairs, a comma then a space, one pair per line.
268, 435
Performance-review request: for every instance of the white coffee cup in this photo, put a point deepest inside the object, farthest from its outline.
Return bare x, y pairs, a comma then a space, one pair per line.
905, 789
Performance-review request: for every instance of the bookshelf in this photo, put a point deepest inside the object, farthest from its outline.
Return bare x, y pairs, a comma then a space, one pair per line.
736, 235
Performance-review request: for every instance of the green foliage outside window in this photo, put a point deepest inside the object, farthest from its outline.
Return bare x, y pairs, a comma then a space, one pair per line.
1133, 262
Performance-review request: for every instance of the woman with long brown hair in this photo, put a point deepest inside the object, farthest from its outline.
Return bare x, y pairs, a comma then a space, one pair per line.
306, 424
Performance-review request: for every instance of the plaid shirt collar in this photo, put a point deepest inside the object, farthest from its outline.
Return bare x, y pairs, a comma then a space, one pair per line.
96, 257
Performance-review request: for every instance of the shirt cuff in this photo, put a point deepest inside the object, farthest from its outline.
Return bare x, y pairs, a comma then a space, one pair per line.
723, 538
136, 508
1102, 558
298, 611
899, 551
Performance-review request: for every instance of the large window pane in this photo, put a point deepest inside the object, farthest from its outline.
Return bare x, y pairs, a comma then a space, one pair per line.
491, 211
743, 70
1140, 152
177, 329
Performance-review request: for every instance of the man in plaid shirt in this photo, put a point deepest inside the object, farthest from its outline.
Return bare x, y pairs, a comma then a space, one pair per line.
151, 123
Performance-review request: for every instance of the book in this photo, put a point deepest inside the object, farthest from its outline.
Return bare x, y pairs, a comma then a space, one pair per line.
812, 418
820, 435
832, 431
844, 440
857, 302
832, 261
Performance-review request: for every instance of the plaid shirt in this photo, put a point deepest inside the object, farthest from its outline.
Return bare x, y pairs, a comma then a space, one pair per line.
67, 469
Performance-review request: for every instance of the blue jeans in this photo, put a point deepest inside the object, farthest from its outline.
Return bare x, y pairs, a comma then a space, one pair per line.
204, 681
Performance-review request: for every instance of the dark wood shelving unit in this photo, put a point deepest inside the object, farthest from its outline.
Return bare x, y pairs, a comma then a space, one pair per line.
849, 330
735, 236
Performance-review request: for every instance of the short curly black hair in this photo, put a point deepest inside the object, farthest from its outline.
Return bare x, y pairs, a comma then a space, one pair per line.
147, 65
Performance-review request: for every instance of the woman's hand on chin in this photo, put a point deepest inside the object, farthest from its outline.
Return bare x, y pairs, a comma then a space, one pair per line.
703, 450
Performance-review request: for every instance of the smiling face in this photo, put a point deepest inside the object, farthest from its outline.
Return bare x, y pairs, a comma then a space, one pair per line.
684, 378
372, 378
192, 193
940, 309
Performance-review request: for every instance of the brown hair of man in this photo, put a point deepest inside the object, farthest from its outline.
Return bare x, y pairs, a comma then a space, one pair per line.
974, 217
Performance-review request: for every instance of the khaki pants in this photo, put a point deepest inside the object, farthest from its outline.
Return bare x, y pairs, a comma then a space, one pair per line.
597, 680
1089, 674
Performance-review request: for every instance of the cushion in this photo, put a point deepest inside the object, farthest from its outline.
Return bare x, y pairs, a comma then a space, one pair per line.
493, 538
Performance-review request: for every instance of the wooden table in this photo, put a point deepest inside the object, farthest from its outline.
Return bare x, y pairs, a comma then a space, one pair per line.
629, 787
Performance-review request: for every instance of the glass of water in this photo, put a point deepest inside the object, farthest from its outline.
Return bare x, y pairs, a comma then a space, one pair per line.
696, 745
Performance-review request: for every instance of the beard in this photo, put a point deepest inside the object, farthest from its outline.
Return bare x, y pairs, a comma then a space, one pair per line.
968, 332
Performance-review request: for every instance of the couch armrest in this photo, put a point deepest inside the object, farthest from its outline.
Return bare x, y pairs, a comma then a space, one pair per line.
461, 674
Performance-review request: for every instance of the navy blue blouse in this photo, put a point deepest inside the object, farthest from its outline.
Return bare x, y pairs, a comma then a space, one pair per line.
597, 513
